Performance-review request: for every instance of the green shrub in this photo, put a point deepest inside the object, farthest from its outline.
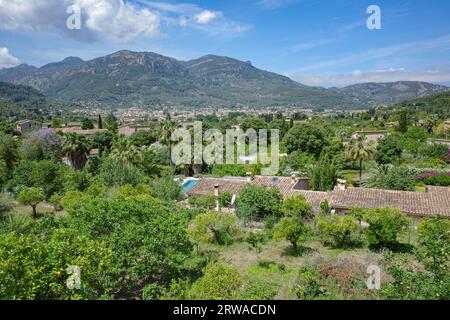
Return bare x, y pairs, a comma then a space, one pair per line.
258, 291
31, 197
115, 172
151, 292
385, 226
323, 176
440, 180
338, 231
434, 240
293, 230
255, 240
213, 228
166, 188
55, 201
309, 284
219, 282
225, 199
6, 202
206, 201
297, 207
255, 201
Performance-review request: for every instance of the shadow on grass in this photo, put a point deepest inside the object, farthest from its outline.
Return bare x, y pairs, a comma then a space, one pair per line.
299, 251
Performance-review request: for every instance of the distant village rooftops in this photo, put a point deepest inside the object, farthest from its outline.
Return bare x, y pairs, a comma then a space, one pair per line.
79, 131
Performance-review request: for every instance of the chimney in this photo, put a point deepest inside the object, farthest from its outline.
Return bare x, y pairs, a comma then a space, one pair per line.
275, 182
294, 177
216, 194
341, 184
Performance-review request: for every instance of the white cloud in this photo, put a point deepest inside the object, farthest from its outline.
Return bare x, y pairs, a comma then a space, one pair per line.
101, 19
7, 60
189, 15
441, 76
205, 17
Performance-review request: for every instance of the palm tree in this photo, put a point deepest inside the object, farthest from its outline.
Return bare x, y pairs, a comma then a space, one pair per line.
123, 150
76, 148
165, 130
360, 150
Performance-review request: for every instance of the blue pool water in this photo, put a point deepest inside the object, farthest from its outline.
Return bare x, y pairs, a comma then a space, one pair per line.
188, 185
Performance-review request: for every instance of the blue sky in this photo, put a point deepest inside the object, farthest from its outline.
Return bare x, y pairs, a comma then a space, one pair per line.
316, 42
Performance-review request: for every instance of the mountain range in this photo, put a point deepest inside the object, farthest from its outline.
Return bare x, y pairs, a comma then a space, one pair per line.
146, 79
392, 92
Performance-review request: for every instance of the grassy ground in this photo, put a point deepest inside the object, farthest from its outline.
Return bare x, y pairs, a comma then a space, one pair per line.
42, 208
278, 267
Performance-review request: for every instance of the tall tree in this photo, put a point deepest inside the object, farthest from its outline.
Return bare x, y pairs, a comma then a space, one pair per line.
8, 154
165, 129
111, 122
360, 150
100, 122
76, 148
403, 122
87, 124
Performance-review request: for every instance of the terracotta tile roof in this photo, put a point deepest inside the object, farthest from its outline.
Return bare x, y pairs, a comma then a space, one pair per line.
81, 132
412, 203
206, 186
435, 201
443, 190
234, 185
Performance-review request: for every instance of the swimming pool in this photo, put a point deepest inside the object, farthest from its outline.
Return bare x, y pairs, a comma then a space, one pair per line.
188, 185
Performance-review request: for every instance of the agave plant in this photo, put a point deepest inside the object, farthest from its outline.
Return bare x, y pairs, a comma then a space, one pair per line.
17, 222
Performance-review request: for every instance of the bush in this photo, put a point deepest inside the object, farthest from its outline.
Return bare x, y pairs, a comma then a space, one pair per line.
219, 282
151, 292
147, 237
413, 283
389, 150
6, 202
435, 151
305, 138
434, 240
257, 201
43, 269
212, 227
339, 232
409, 282
55, 201
300, 161
167, 189
45, 175
391, 177
293, 230
258, 291
207, 201
118, 173
255, 240
225, 199
16, 222
297, 207
309, 284
385, 225
435, 179
31, 197
323, 176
